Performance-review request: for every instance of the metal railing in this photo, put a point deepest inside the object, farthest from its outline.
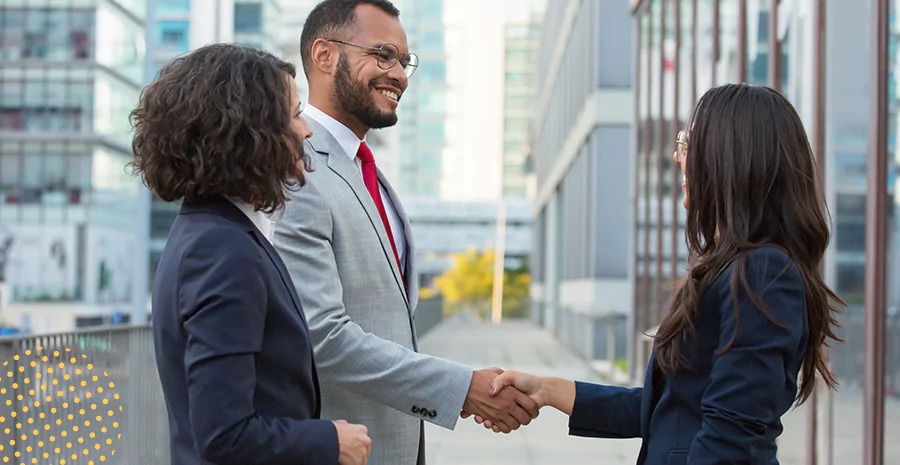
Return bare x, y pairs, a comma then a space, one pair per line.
84, 397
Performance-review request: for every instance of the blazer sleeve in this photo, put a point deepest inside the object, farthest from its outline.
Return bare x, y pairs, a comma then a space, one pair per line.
744, 393
606, 411
346, 355
223, 304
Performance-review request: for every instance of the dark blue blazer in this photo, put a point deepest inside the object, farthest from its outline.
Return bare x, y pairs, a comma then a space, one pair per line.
727, 408
233, 348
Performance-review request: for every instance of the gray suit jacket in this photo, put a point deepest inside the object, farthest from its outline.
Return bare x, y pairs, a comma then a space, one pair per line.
360, 317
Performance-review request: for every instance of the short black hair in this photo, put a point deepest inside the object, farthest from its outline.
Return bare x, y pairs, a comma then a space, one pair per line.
329, 18
217, 123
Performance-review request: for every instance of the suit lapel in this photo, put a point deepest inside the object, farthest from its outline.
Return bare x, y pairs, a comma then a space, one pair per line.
323, 142
229, 210
282, 270
412, 278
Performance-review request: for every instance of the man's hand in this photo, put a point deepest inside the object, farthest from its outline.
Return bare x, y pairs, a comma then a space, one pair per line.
354, 443
506, 410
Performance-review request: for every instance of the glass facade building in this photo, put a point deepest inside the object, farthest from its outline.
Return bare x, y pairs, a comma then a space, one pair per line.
522, 41
836, 62
424, 111
582, 136
70, 73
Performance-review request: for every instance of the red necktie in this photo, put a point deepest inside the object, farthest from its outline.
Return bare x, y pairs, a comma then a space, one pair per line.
370, 176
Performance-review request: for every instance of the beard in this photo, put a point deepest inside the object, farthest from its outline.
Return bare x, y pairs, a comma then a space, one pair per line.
355, 99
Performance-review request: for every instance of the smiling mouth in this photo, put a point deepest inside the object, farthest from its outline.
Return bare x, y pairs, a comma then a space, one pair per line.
390, 94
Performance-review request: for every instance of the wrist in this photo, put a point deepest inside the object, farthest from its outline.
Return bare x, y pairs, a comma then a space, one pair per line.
557, 393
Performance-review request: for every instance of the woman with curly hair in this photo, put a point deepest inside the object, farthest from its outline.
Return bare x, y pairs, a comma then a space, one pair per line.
746, 332
220, 129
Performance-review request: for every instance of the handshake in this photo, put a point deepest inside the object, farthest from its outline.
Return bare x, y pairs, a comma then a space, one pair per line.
504, 401
501, 401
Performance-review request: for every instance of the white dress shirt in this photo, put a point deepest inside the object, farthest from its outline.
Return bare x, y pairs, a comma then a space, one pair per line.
259, 219
348, 141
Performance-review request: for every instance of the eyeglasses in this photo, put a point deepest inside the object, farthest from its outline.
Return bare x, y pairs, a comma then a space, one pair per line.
682, 145
388, 55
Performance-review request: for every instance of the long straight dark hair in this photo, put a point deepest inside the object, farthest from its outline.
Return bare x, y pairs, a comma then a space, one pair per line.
752, 182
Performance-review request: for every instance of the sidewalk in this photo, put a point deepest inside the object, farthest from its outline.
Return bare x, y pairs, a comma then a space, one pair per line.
525, 347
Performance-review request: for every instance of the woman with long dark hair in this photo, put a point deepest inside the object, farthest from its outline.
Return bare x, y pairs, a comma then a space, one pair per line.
746, 331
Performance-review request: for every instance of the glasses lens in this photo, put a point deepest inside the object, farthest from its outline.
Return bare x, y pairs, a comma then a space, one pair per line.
387, 56
681, 141
412, 63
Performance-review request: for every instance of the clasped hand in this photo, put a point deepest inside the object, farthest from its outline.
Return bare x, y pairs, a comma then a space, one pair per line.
502, 401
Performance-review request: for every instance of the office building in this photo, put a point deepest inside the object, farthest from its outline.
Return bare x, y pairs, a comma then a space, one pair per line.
521, 44
71, 73
582, 284
825, 58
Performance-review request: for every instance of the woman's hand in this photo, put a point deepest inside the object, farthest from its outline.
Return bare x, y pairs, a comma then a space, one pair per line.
529, 384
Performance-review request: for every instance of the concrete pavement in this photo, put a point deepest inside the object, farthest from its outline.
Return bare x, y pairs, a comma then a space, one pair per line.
525, 347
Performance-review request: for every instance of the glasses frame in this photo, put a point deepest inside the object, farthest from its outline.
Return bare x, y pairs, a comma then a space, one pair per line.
409, 69
681, 144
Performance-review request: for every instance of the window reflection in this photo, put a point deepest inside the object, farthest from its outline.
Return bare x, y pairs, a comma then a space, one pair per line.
46, 33
40, 106
122, 46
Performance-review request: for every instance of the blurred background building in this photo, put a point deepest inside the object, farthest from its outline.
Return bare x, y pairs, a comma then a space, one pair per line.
539, 130
71, 73
816, 53
582, 289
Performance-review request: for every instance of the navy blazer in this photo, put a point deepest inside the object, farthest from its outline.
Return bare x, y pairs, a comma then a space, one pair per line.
233, 348
724, 409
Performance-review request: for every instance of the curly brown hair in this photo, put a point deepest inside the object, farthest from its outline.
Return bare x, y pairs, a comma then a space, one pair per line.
217, 123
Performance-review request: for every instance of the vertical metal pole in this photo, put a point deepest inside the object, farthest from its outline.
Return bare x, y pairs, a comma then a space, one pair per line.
634, 360
742, 41
876, 240
662, 137
675, 185
812, 424
775, 55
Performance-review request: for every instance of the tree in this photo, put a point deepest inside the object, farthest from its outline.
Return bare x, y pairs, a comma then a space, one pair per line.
469, 284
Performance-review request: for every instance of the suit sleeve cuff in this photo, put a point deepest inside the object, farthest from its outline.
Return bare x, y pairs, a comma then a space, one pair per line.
584, 411
458, 380
322, 445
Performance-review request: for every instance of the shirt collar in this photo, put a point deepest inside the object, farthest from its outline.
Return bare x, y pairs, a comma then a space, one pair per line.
344, 136
259, 219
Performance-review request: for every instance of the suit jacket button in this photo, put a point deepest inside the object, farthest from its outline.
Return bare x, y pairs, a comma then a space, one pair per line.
433, 413
415, 409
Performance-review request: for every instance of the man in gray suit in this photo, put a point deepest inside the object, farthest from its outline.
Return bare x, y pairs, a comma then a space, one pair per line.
349, 248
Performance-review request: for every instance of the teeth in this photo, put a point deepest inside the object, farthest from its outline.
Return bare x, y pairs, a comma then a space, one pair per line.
390, 95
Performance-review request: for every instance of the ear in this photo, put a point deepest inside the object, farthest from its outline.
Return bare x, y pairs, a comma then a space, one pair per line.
324, 56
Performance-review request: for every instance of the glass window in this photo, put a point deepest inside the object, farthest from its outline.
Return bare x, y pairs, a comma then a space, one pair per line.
81, 35
704, 46
846, 148
115, 101
431, 133
758, 42
121, 46
173, 35
431, 72
12, 33
432, 10
173, 6
10, 167
248, 17
727, 65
